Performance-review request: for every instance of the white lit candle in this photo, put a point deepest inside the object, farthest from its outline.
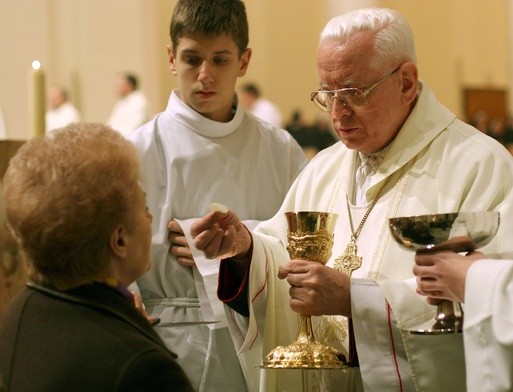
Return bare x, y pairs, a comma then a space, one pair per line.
37, 100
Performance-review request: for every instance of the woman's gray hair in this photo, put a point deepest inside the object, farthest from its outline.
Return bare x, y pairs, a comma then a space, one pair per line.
65, 195
393, 36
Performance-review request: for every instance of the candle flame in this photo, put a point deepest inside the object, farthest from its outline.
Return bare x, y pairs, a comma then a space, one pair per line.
36, 65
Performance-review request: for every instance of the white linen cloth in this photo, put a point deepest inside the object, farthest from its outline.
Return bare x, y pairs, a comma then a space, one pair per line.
438, 164
188, 162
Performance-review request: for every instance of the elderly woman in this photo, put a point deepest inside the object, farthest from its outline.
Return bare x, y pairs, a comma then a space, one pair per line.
79, 216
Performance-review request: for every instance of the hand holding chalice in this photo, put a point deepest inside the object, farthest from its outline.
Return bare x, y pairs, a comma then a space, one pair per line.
310, 237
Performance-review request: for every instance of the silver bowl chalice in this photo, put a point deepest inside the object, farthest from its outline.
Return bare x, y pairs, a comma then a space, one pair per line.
457, 232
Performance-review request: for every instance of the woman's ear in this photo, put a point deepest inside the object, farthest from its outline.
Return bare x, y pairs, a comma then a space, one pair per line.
118, 242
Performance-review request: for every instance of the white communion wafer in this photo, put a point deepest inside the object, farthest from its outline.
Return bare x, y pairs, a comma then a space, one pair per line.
218, 207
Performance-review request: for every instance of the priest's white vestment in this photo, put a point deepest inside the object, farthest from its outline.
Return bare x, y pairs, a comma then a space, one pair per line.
436, 164
488, 325
188, 162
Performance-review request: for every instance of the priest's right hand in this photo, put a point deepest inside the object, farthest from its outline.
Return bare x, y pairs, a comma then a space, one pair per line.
221, 235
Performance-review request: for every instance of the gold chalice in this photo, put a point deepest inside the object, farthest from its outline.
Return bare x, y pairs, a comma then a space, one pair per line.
457, 232
310, 237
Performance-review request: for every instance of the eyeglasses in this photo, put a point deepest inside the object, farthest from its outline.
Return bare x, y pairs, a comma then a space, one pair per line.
352, 98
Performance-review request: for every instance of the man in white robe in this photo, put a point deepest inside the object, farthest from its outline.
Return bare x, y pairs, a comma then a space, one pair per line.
61, 111
206, 148
131, 109
418, 158
259, 106
486, 288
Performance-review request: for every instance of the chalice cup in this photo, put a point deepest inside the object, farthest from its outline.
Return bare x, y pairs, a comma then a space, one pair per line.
457, 232
310, 237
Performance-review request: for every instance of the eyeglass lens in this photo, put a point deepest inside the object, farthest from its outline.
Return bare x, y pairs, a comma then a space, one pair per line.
352, 98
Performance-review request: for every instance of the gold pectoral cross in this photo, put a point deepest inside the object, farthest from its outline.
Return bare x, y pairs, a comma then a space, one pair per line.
349, 261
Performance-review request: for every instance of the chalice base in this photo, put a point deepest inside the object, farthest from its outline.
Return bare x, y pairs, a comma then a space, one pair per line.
433, 331
441, 327
448, 320
304, 355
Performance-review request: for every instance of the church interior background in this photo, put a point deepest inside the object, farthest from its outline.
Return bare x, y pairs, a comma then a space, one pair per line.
464, 48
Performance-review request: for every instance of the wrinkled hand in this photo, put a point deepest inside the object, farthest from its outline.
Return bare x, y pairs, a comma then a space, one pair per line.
441, 275
316, 289
179, 246
221, 235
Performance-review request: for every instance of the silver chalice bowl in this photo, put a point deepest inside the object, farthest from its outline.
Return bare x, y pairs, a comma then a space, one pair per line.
457, 232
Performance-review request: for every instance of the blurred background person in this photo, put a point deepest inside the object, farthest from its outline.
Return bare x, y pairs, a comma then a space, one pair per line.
480, 121
508, 133
297, 126
85, 231
61, 111
312, 137
496, 129
323, 131
131, 108
251, 99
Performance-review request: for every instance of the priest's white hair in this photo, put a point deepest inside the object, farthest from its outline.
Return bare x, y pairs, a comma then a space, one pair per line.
393, 36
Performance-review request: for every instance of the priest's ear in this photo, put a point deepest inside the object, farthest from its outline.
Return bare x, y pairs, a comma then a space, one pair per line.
409, 82
171, 59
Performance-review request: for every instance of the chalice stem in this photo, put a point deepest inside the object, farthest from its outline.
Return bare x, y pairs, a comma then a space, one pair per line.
305, 333
446, 317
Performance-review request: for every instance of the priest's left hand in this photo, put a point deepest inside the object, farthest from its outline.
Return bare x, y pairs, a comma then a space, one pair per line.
179, 246
316, 289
